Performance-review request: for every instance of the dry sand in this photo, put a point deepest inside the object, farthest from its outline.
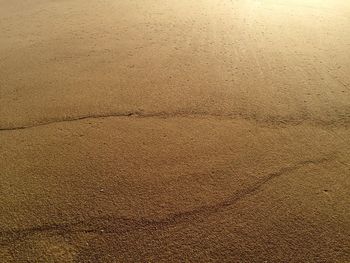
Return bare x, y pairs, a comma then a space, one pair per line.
174, 131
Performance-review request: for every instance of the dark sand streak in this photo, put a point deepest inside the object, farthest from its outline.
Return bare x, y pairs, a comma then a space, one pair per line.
273, 120
119, 225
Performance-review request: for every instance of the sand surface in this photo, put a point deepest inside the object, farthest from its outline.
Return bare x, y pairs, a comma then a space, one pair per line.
174, 131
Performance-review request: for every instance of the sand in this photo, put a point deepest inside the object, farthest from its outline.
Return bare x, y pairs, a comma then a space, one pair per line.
175, 131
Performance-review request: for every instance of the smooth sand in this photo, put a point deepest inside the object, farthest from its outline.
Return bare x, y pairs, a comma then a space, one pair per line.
174, 131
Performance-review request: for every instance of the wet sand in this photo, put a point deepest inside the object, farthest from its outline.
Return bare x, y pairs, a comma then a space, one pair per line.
175, 131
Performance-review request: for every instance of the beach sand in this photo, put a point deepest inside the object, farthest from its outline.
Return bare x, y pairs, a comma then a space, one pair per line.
175, 131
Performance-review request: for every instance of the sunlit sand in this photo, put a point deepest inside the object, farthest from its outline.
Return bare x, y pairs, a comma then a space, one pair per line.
174, 131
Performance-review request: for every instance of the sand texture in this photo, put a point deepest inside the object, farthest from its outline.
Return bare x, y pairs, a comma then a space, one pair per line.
174, 131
